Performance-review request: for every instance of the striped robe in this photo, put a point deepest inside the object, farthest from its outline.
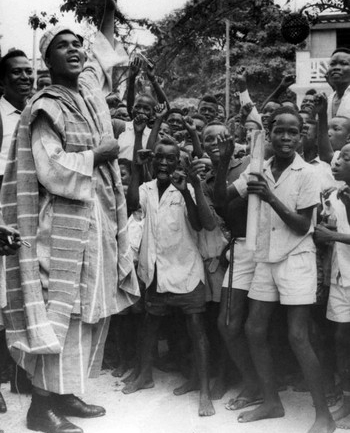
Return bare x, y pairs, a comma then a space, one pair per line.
90, 270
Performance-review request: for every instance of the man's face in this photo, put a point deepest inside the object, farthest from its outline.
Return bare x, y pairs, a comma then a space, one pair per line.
164, 130
338, 132
250, 127
208, 110
18, 80
165, 161
339, 69
285, 135
122, 113
221, 116
269, 108
175, 122
341, 169
143, 105
66, 56
307, 103
210, 141
125, 177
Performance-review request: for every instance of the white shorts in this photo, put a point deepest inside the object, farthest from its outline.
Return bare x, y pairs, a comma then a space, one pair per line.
243, 266
292, 281
338, 308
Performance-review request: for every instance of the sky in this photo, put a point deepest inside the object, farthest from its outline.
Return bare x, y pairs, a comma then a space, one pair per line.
16, 32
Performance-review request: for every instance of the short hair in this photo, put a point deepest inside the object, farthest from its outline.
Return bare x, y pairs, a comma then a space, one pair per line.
345, 118
341, 50
254, 121
275, 101
169, 141
210, 99
10, 55
292, 102
284, 110
214, 123
199, 117
146, 95
126, 162
174, 110
311, 92
112, 100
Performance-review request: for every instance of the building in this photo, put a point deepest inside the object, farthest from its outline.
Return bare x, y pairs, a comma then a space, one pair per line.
331, 31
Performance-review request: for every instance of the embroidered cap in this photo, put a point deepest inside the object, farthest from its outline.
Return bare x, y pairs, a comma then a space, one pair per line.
50, 34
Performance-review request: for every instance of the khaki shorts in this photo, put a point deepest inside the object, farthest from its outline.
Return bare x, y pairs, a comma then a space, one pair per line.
243, 266
338, 308
292, 281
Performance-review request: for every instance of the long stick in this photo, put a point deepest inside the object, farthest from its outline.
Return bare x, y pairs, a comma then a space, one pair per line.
229, 289
254, 202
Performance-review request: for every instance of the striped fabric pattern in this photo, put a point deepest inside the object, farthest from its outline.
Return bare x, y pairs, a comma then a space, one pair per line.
33, 326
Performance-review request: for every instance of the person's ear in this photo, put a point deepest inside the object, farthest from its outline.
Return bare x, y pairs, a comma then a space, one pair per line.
47, 63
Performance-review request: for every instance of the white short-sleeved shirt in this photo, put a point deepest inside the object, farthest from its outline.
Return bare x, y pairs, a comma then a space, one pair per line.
324, 173
341, 252
297, 188
126, 141
168, 242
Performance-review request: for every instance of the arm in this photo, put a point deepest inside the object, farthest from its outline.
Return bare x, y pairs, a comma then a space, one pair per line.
162, 99
191, 129
323, 235
298, 221
324, 146
133, 195
160, 111
207, 219
134, 69
244, 98
287, 81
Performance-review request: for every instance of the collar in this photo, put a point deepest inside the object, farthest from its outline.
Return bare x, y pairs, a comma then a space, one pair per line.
154, 186
7, 107
297, 164
315, 161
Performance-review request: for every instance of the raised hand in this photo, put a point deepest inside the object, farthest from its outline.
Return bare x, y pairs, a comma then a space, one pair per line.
10, 241
241, 76
226, 147
178, 179
140, 123
160, 110
288, 80
246, 109
143, 156
195, 171
135, 66
320, 103
260, 187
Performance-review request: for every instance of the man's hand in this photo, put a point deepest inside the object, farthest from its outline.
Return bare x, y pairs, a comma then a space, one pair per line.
178, 179
108, 150
320, 103
140, 123
160, 110
143, 156
195, 171
189, 125
323, 235
9, 248
226, 146
241, 78
246, 109
260, 187
287, 81
150, 73
135, 67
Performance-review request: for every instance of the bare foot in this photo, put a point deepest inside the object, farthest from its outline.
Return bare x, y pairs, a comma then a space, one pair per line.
140, 383
131, 377
120, 371
343, 411
219, 389
187, 387
247, 397
344, 423
324, 425
264, 411
206, 407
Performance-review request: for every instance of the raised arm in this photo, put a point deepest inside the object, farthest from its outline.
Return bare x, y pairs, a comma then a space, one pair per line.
161, 96
244, 98
191, 129
325, 149
160, 111
287, 81
134, 70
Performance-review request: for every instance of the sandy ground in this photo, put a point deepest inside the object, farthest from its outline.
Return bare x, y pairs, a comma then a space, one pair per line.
158, 410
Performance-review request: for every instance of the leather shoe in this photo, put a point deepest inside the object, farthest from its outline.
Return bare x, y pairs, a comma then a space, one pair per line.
3, 407
70, 405
48, 421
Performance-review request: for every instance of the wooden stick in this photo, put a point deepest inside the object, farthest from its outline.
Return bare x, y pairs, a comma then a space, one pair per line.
254, 202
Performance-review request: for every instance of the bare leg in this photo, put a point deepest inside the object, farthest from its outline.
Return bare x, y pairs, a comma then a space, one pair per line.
256, 329
201, 349
298, 318
237, 345
343, 361
145, 379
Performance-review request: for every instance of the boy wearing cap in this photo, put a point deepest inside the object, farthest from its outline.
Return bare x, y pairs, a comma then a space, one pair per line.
62, 190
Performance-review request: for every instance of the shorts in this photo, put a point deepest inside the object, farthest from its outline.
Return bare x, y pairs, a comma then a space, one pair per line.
292, 281
159, 304
243, 266
214, 275
338, 308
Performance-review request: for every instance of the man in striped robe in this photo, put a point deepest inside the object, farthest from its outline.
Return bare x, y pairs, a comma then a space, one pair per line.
62, 191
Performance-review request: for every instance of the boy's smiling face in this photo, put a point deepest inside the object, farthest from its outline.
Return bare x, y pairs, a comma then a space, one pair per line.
165, 161
285, 135
341, 169
210, 141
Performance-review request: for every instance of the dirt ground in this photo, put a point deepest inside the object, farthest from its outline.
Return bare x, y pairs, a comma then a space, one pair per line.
158, 410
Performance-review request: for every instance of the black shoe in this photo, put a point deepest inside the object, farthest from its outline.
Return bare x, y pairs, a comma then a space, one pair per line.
42, 417
70, 405
3, 407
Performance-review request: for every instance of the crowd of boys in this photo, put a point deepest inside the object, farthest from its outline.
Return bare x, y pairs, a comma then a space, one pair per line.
90, 199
